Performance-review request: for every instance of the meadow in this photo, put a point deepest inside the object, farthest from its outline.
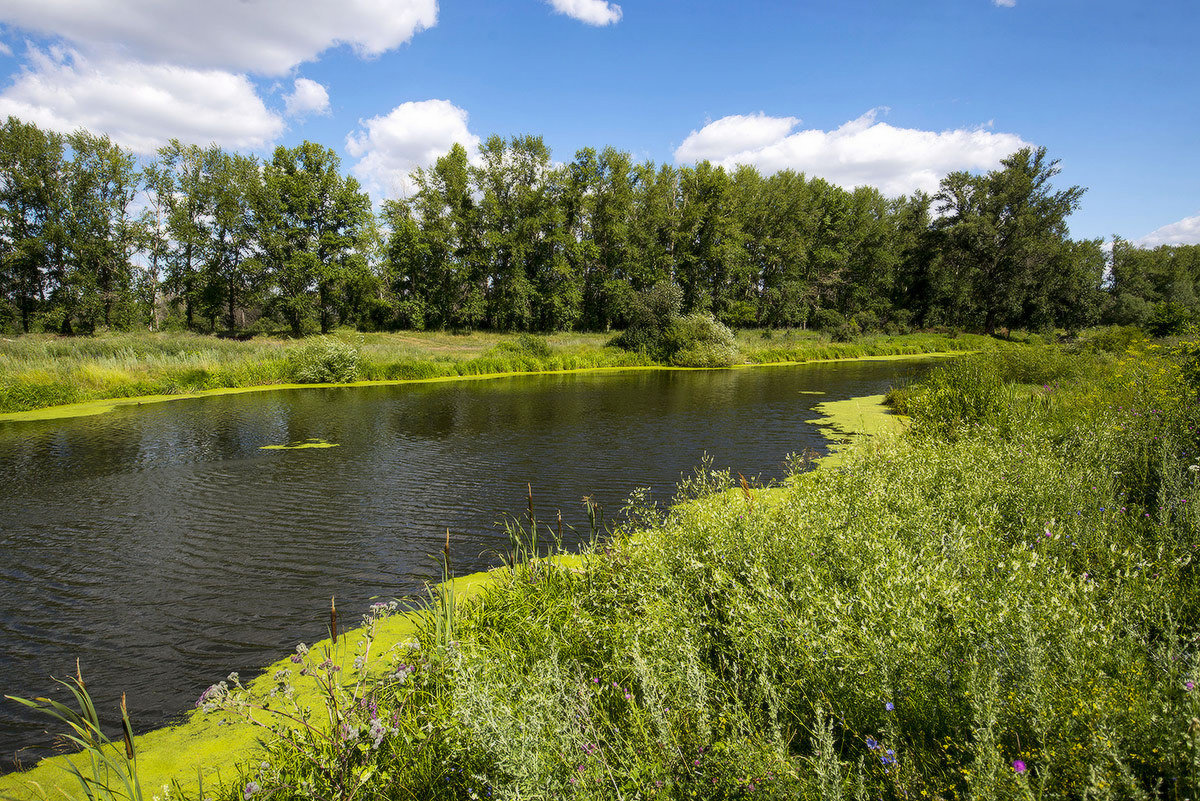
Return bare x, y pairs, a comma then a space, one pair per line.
45, 370
1000, 603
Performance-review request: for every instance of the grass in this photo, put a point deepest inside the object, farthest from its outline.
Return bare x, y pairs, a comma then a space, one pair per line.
43, 371
1001, 602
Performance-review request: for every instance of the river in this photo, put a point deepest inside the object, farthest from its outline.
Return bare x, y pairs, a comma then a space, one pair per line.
163, 547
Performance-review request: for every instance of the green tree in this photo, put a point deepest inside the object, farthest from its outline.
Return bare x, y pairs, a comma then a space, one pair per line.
102, 182
31, 188
305, 216
1003, 233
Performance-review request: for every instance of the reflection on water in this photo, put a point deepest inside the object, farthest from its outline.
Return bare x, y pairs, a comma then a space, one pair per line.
164, 547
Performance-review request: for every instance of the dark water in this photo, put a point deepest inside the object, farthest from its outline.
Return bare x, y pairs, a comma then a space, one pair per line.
163, 548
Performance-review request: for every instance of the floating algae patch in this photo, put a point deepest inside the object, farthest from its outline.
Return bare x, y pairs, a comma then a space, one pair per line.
854, 418
810, 392
296, 446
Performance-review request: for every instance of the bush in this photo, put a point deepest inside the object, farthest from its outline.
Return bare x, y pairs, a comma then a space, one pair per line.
700, 340
1112, 339
1168, 319
828, 320
964, 393
526, 345
325, 360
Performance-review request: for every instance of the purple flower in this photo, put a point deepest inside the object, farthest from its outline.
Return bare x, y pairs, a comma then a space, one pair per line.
1018, 766
889, 706
871, 743
1190, 686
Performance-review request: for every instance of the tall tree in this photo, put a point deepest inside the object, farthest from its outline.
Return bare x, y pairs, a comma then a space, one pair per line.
1004, 230
102, 181
305, 218
181, 179
31, 176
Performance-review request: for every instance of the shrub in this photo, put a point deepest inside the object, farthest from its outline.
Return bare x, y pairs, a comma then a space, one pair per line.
526, 345
325, 360
828, 319
966, 392
700, 340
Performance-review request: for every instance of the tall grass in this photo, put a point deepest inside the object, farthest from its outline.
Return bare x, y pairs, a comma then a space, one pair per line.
39, 371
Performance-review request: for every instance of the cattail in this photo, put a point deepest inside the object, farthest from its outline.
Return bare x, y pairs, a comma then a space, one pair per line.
128, 733
530, 488
746, 489
333, 619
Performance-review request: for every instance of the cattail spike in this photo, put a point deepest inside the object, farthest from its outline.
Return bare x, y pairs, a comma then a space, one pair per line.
333, 619
125, 721
746, 489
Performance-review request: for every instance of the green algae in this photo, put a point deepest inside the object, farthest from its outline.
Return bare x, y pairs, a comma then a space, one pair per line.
845, 421
297, 446
209, 747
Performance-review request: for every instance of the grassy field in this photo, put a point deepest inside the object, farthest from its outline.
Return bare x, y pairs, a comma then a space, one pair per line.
1000, 603
42, 370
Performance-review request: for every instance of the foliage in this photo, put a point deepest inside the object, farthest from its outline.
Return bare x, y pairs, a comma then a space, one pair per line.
516, 242
699, 340
325, 360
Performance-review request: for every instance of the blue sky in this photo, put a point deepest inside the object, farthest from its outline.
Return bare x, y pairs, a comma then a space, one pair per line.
881, 92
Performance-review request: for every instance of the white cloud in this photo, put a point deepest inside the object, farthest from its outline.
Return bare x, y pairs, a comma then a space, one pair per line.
307, 97
1005, 3
862, 152
259, 36
412, 135
140, 106
1183, 232
593, 12
5, 50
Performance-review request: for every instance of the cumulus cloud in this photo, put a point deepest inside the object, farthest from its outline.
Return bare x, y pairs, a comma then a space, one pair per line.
307, 97
263, 36
593, 12
140, 106
1005, 3
862, 152
411, 135
1183, 232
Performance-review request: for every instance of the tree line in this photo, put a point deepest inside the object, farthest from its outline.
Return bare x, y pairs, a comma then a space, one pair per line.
210, 240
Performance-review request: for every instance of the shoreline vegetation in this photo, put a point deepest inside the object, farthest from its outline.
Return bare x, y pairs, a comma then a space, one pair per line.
50, 377
1000, 601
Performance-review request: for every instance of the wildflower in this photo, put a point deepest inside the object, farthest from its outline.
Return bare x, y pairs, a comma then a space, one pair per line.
889, 706
1018, 766
872, 743
376, 733
1190, 686
251, 789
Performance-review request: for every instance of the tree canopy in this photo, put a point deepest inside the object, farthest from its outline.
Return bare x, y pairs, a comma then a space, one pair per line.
205, 239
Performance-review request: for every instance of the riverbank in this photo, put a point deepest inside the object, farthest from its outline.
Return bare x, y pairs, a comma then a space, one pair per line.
1001, 604
66, 377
